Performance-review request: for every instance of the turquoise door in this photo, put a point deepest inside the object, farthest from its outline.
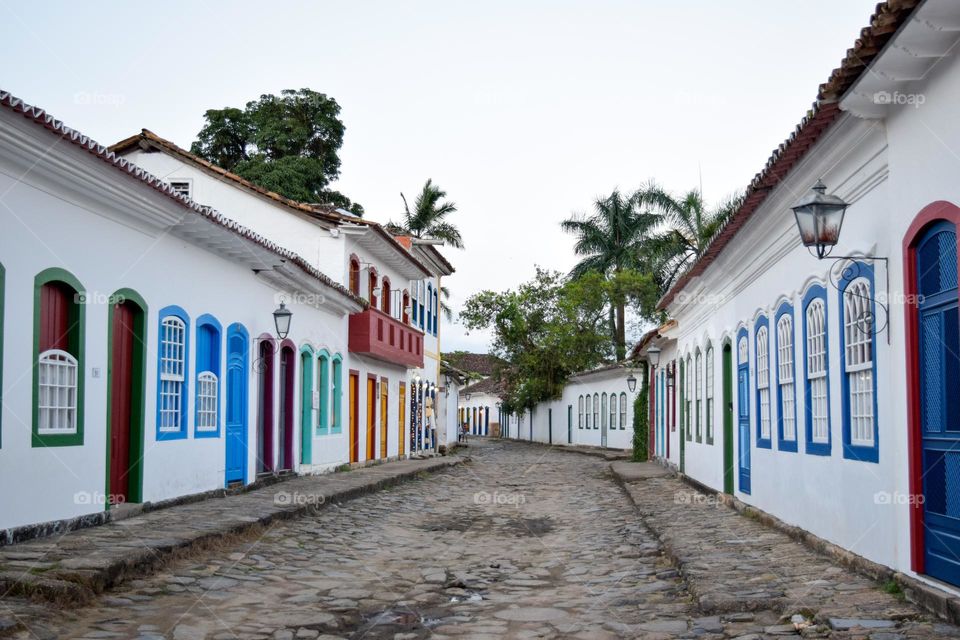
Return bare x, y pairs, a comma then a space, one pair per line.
939, 345
743, 411
237, 392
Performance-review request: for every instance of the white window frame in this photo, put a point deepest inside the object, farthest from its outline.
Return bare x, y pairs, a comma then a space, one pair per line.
858, 362
173, 363
763, 380
208, 401
57, 393
708, 409
816, 355
785, 378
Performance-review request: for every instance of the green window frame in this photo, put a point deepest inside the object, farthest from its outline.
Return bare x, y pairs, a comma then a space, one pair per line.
76, 341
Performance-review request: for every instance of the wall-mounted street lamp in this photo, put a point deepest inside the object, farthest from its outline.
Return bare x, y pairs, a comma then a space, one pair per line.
632, 382
671, 377
466, 397
819, 217
281, 319
653, 356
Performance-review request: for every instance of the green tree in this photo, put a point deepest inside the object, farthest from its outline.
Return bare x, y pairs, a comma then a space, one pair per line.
289, 144
428, 217
690, 226
611, 241
547, 329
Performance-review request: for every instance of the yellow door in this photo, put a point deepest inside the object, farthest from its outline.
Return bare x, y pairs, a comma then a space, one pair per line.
354, 435
384, 386
371, 418
402, 413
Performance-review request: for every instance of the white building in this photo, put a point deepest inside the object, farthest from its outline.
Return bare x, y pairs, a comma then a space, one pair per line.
825, 392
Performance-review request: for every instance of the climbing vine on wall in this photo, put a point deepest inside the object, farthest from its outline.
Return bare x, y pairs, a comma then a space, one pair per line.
641, 421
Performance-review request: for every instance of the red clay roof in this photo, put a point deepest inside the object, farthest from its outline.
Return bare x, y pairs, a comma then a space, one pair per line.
57, 127
326, 213
888, 17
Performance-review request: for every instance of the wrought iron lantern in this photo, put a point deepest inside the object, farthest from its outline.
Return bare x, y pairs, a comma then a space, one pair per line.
281, 318
671, 375
819, 219
632, 382
653, 356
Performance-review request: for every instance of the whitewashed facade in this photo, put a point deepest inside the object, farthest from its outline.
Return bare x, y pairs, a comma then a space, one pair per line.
842, 374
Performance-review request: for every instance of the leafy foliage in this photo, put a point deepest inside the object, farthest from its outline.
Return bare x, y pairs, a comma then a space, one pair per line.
428, 217
641, 421
289, 144
612, 240
547, 329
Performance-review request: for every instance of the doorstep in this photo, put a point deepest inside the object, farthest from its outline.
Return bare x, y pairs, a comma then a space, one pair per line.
72, 568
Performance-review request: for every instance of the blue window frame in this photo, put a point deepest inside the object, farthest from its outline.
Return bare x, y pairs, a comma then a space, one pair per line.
858, 363
420, 293
436, 311
207, 388
786, 379
173, 373
761, 332
323, 389
416, 302
816, 372
429, 308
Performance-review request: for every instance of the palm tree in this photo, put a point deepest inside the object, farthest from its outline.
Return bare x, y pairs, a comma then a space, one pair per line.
427, 220
611, 240
689, 231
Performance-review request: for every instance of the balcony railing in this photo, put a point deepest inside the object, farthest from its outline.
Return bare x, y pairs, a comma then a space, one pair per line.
377, 335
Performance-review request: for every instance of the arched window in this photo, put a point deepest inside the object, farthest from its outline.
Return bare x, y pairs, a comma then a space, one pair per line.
859, 366
697, 392
385, 295
208, 378
336, 419
623, 410
763, 384
786, 391
589, 411
172, 373
580, 419
429, 301
436, 311
816, 372
420, 302
405, 312
324, 421
689, 394
58, 352
372, 287
681, 384
603, 411
354, 275
613, 411
596, 411
708, 408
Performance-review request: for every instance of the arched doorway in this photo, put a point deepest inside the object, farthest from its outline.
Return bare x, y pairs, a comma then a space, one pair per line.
236, 414
126, 388
265, 374
287, 415
933, 375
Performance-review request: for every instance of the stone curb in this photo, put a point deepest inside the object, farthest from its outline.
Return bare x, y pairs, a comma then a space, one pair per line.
597, 452
940, 603
77, 579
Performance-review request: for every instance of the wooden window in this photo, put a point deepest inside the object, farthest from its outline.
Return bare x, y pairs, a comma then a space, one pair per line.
580, 415
698, 394
58, 354
858, 361
208, 377
386, 296
613, 411
355, 276
786, 391
596, 411
172, 375
405, 312
817, 421
708, 407
372, 287
589, 410
763, 386
623, 410
689, 396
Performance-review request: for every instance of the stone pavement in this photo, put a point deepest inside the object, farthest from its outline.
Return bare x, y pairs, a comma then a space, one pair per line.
734, 564
519, 542
73, 567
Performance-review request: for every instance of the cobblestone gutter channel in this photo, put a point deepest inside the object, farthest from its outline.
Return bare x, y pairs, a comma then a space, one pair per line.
736, 561
72, 568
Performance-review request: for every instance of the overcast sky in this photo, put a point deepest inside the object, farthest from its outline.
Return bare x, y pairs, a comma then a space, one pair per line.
523, 110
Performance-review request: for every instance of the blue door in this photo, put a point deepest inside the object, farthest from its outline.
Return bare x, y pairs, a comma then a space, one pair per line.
236, 418
939, 345
743, 412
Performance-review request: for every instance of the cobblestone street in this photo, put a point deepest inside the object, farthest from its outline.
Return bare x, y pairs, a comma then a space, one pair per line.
522, 542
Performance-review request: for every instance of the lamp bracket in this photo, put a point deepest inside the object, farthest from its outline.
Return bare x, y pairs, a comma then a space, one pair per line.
846, 269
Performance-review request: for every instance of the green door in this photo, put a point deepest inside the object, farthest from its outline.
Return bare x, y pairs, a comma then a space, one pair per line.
683, 418
727, 419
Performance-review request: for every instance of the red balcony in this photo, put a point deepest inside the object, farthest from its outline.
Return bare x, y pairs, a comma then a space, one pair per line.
375, 334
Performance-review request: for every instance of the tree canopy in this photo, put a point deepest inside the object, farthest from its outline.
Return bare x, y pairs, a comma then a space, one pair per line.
428, 219
289, 144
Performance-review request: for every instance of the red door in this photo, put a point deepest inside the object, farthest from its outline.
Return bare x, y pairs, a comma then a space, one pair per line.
121, 400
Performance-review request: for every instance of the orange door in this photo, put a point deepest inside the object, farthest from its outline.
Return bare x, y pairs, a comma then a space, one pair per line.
383, 417
354, 410
402, 413
371, 418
